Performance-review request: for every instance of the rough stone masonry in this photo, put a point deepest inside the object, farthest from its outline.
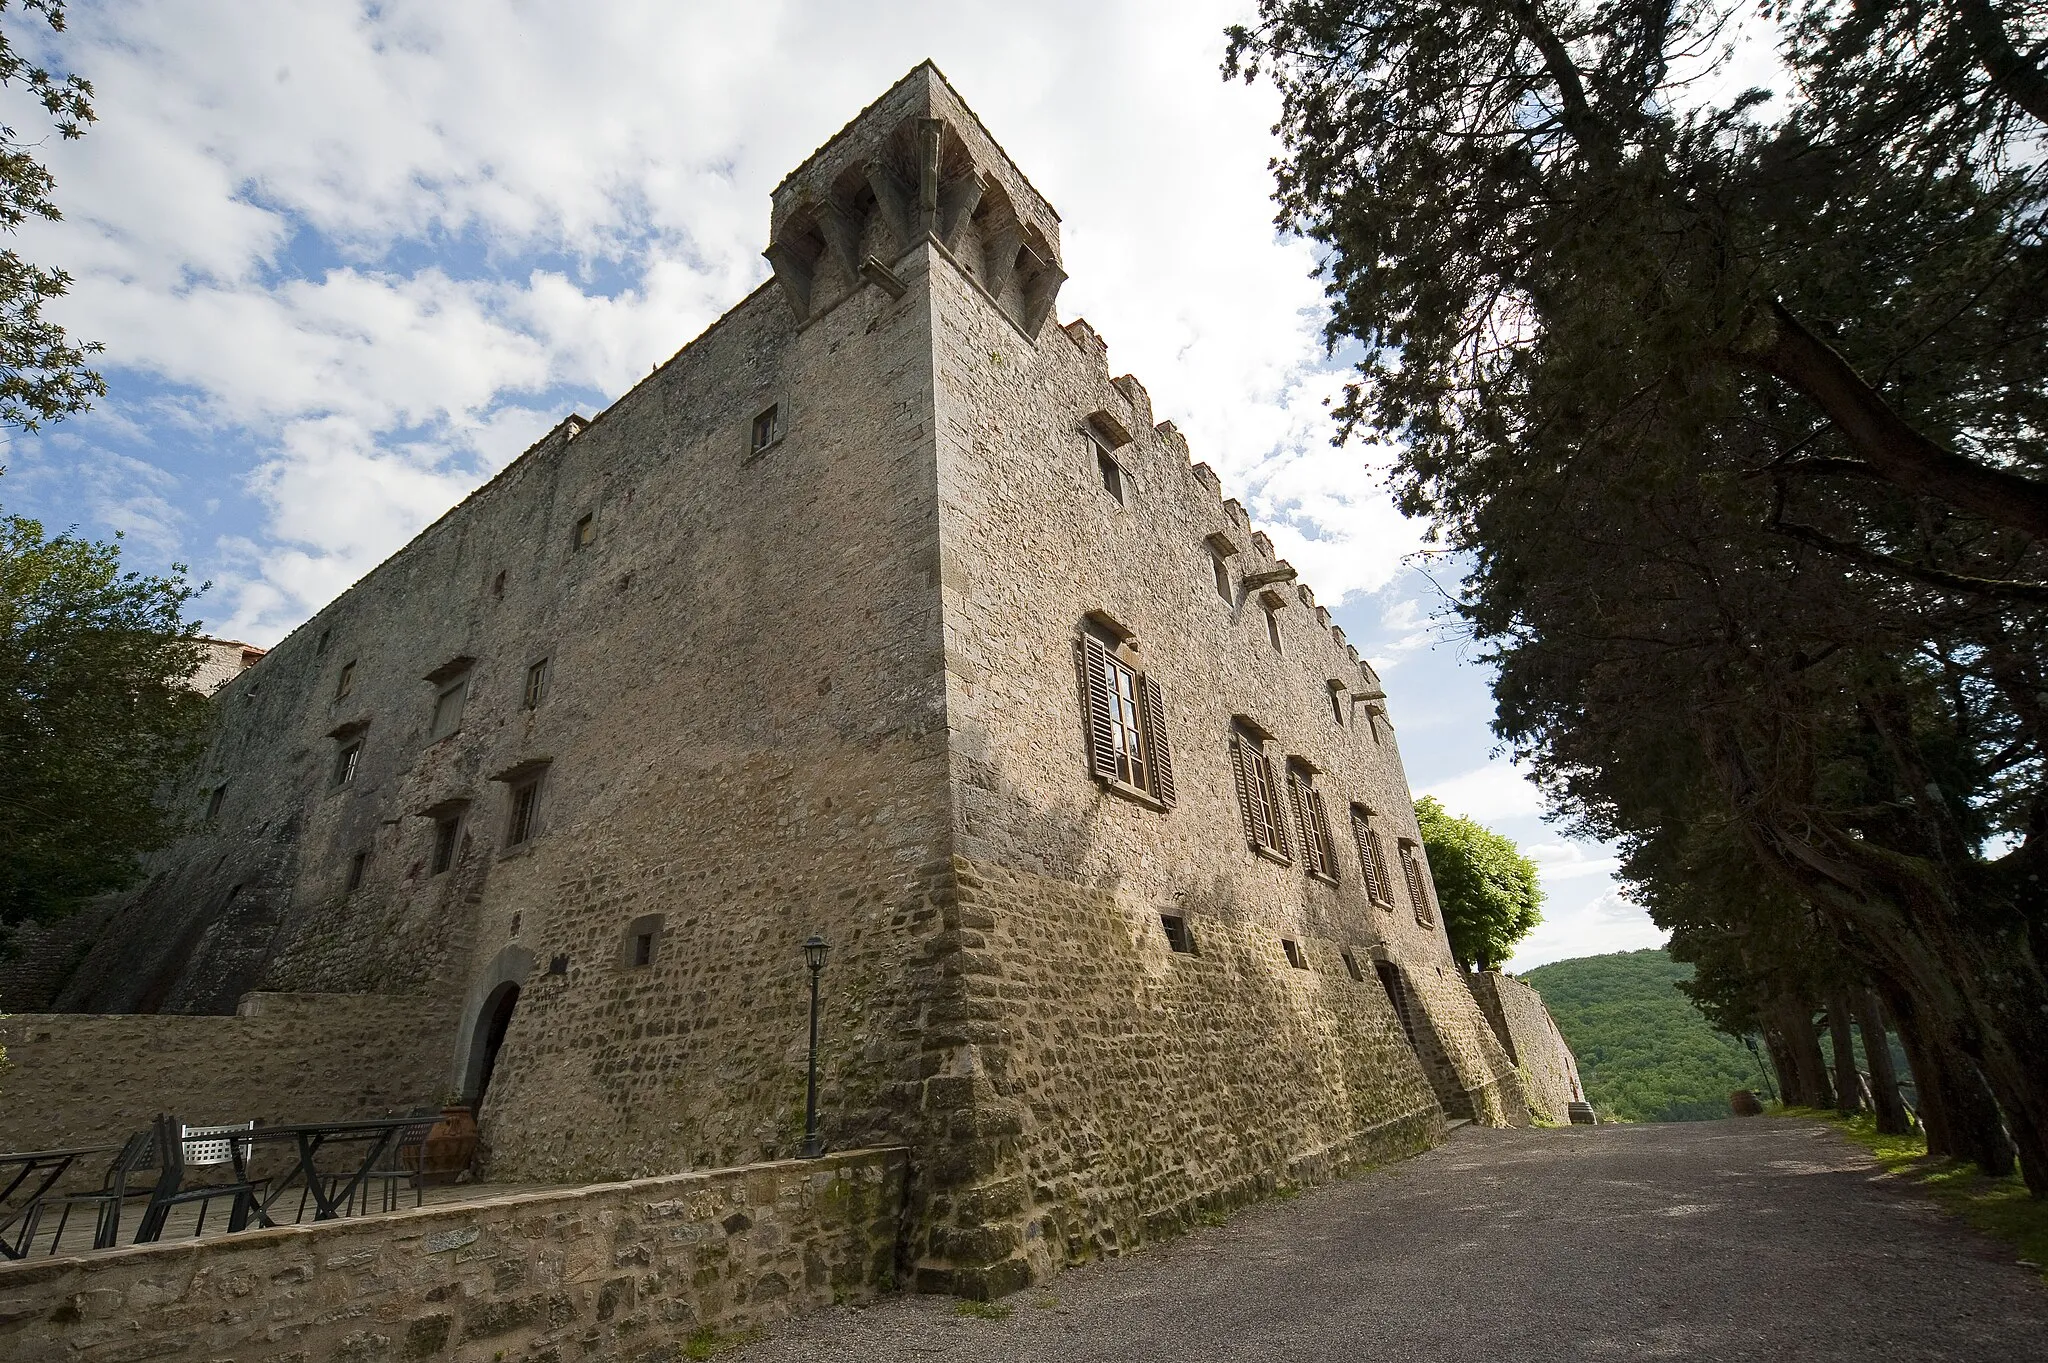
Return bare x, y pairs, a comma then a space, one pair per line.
881, 611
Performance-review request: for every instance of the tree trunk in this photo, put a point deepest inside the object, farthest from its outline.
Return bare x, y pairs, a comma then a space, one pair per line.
1781, 1064
1884, 1080
1804, 1042
1848, 1090
1934, 1119
1980, 1135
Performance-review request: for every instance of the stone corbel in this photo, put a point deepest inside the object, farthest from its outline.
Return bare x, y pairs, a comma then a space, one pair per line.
957, 201
1255, 581
999, 255
794, 274
929, 133
842, 235
1041, 291
889, 198
883, 278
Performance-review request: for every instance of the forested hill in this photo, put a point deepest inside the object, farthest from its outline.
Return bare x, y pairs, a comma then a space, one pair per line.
1645, 1053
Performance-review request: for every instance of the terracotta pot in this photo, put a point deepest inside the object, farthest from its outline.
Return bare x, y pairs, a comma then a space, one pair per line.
451, 1144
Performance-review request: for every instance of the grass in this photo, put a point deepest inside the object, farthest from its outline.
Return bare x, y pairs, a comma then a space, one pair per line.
1999, 1207
708, 1343
984, 1310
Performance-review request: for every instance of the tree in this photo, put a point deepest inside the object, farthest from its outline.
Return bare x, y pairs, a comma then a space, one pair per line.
1487, 889
43, 374
1738, 422
95, 717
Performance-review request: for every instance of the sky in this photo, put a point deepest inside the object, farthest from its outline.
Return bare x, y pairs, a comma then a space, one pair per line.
349, 260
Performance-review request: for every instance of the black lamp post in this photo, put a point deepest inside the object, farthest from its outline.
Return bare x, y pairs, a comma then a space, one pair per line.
814, 1142
1757, 1056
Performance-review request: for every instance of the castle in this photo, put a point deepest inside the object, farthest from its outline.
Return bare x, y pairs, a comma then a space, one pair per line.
881, 611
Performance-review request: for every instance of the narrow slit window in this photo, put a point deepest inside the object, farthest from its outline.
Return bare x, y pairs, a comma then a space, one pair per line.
1295, 956
1351, 967
215, 800
346, 682
1111, 473
1337, 703
1273, 629
536, 684
447, 839
642, 942
643, 948
1221, 569
586, 532
766, 431
346, 762
448, 708
356, 865
523, 822
1178, 935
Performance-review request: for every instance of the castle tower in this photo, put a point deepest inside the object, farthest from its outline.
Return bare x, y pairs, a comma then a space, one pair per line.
881, 611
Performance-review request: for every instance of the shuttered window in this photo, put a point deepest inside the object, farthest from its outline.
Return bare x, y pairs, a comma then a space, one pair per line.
1258, 796
1372, 858
1418, 882
1318, 852
1127, 742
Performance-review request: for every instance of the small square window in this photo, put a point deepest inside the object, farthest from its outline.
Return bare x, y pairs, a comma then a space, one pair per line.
346, 761
767, 429
643, 948
1337, 702
586, 532
1111, 472
498, 585
524, 820
347, 681
642, 942
448, 709
536, 684
1351, 967
356, 865
215, 800
1222, 571
320, 646
1295, 957
447, 840
1178, 935
1273, 628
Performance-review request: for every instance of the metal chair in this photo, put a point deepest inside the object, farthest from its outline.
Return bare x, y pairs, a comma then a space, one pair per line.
186, 1147
403, 1164
108, 1199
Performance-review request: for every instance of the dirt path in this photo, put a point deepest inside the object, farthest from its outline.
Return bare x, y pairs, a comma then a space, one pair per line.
1725, 1240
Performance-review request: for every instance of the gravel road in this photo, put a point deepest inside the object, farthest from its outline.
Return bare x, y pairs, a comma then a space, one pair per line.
1759, 1239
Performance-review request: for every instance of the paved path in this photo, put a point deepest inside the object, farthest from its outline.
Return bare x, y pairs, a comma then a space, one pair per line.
1760, 1239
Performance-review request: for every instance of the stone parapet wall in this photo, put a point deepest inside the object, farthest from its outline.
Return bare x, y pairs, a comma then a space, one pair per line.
74, 1078
637, 1269
1550, 1071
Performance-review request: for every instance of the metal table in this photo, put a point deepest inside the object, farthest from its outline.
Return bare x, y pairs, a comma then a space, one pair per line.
375, 1133
49, 1165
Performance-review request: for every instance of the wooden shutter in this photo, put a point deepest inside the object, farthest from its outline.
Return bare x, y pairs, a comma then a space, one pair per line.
1158, 751
1101, 733
1244, 789
1411, 869
1326, 843
1311, 849
1275, 824
1369, 859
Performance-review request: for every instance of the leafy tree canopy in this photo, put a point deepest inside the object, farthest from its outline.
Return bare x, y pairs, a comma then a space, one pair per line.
95, 716
1488, 891
43, 373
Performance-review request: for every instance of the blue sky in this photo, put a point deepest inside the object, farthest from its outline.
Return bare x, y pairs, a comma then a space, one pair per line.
349, 260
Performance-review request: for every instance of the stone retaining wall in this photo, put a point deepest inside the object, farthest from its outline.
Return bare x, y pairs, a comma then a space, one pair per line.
639, 1269
1549, 1070
80, 1078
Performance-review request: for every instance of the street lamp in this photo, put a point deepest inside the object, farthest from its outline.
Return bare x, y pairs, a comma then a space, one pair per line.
1757, 1056
814, 1143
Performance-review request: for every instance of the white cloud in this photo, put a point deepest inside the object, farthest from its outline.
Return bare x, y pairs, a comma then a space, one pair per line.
1590, 927
1495, 791
1569, 860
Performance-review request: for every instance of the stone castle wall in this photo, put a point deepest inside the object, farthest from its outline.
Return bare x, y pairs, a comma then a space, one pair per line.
1549, 1070
83, 1079
640, 1269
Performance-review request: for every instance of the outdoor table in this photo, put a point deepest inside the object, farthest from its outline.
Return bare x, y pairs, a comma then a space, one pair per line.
376, 1134
49, 1165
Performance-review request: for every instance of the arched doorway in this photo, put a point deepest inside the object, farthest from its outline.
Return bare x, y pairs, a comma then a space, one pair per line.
489, 1035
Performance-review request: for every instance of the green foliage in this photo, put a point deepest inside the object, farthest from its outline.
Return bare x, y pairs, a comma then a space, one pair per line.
1488, 891
43, 375
94, 717
985, 1310
1645, 1053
